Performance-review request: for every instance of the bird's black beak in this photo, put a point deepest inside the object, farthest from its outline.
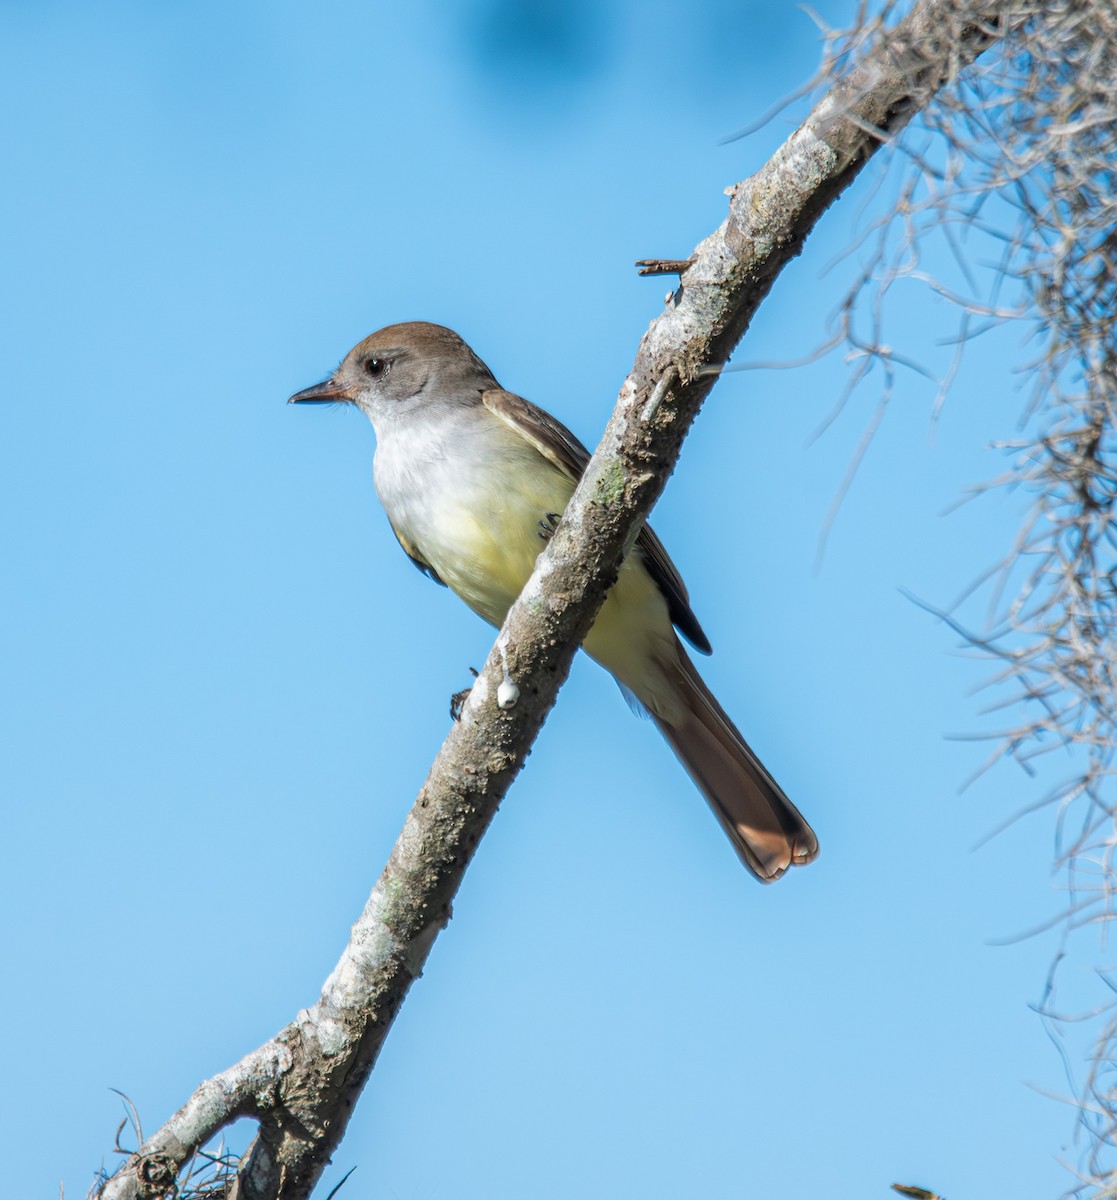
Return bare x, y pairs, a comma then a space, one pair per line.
325, 392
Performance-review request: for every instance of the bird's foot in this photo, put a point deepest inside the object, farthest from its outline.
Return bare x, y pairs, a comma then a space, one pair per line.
458, 699
547, 527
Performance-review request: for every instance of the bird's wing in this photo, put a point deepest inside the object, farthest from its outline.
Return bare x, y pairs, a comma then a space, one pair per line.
412, 552
563, 450
670, 583
550, 437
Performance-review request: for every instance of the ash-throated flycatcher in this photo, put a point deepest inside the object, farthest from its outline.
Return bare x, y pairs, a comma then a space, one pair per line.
471, 477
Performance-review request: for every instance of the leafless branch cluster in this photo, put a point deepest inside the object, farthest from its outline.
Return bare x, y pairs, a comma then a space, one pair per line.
1022, 151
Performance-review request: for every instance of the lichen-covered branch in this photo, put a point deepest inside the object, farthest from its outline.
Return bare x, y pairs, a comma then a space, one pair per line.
301, 1087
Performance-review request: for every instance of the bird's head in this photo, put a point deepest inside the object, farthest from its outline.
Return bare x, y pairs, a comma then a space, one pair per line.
400, 367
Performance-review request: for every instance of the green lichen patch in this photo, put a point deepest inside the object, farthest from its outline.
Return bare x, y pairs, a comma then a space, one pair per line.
610, 487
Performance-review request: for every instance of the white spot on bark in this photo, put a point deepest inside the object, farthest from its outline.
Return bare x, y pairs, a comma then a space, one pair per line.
508, 691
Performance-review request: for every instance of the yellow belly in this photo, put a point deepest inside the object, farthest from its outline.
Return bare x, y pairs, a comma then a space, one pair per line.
488, 547
487, 552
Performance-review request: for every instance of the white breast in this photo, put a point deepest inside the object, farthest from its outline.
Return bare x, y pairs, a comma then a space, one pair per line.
469, 493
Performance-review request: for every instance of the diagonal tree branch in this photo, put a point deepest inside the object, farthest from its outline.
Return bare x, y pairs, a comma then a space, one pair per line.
302, 1086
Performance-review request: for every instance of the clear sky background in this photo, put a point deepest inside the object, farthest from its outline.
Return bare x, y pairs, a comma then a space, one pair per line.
223, 682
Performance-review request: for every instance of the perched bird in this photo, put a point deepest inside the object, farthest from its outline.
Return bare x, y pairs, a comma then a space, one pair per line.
473, 479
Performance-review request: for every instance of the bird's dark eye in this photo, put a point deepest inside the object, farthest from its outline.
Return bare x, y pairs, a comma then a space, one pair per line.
375, 367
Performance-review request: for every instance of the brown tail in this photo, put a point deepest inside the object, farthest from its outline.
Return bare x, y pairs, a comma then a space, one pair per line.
766, 829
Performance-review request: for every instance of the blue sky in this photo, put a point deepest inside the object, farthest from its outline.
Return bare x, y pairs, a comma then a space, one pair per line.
224, 682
